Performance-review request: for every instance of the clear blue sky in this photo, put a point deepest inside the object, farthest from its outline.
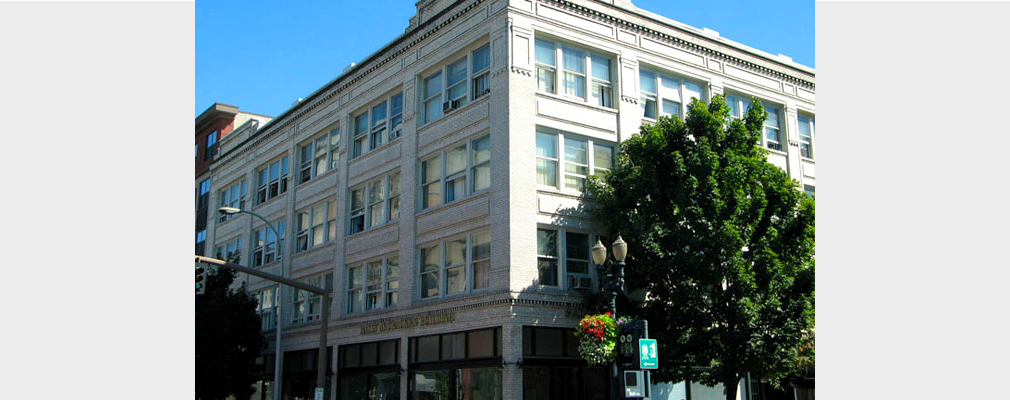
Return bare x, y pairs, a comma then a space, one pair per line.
263, 55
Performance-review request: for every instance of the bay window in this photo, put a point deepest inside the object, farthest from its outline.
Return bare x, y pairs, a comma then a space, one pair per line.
806, 131
446, 265
316, 225
373, 285
378, 124
563, 253
666, 95
273, 180
447, 182
307, 305
582, 157
738, 106
232, 196
455, 84
319, 155
582, 71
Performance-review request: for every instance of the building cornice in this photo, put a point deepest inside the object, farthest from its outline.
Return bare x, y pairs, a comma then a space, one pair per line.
688, 45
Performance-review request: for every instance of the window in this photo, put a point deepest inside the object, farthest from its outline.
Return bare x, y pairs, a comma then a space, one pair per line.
203, 199
809, 190
383, 200
316, 225
446, 265
664, 95
582, 71
450, 178
233, 196
563, 253
211, 146
201, 241
228, 250
266, 244
379, 287
378, 124
738, 106
319, 155
476, 344
267, 308
369, 370
582, 157
806, 125
453, 85
273, 180
307, 305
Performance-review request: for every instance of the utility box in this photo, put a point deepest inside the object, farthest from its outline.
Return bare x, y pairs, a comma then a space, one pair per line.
634, 385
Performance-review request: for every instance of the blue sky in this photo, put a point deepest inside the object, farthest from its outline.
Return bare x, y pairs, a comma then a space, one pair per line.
263, 55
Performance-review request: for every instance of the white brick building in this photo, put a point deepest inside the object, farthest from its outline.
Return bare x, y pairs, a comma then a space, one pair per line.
435, 187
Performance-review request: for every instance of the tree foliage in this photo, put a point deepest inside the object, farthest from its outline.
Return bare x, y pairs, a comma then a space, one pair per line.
228, 339
722, 241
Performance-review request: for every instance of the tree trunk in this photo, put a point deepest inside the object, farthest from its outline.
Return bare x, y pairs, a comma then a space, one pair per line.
731, 387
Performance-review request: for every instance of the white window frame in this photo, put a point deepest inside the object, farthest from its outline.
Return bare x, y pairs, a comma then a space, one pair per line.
589, 82
439, 100
806, 140
377, 132
224, 251
658, 77
441, 247
315, 162
389, 203
742, 103
562, 258
560, 159
267, 312
307, 306
266, 180
389, 275
467, 173
310, 232
351, 291
264, 250
232, 196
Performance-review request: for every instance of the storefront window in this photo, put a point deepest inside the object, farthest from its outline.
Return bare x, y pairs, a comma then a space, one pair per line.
369, 371
461, 383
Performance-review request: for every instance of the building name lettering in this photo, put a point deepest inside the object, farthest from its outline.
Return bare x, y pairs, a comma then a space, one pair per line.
407, 323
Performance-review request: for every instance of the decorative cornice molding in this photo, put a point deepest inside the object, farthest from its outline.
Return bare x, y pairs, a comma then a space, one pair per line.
499, 71
680, 43
629, 99
794, 143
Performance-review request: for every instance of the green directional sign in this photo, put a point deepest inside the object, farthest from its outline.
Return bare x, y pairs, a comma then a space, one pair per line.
649, 350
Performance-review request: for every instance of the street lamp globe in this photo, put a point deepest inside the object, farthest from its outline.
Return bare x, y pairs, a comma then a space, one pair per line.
599, 253
620, 249
229, 210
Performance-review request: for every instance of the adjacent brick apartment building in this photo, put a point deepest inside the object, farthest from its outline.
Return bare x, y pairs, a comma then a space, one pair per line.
435, 186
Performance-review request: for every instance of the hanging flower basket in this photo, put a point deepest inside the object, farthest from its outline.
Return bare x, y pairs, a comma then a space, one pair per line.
597, 336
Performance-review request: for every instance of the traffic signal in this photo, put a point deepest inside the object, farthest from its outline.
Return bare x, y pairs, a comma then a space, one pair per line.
201, 278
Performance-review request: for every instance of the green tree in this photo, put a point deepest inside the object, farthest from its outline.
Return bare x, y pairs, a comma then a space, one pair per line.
721, 240
228, 339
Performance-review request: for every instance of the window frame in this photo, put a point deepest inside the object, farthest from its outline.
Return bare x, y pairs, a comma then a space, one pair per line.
468, 262
312, 301
389, 203
211, 145
268, 321
743, 103
588, 83
441, 100
265, 181
376, 133
310, 168
682, 85
562, 258
225, 250
384, 292
225, 198
561, 137
328, 224
807, 140
262, 244
468, 173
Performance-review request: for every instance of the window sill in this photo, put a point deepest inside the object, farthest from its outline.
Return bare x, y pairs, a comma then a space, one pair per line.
373, 228
271, 200
313, 249
435, 208
316, 178
576, 101
370, 313
373, 151
559, 192
807, 159
457, 111
773, 151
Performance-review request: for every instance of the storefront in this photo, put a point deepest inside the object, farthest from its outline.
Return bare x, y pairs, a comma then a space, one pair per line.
458, 365
553, 370
369, 371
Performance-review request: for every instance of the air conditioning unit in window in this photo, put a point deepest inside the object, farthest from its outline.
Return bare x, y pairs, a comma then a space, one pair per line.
451, 105
580, 283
